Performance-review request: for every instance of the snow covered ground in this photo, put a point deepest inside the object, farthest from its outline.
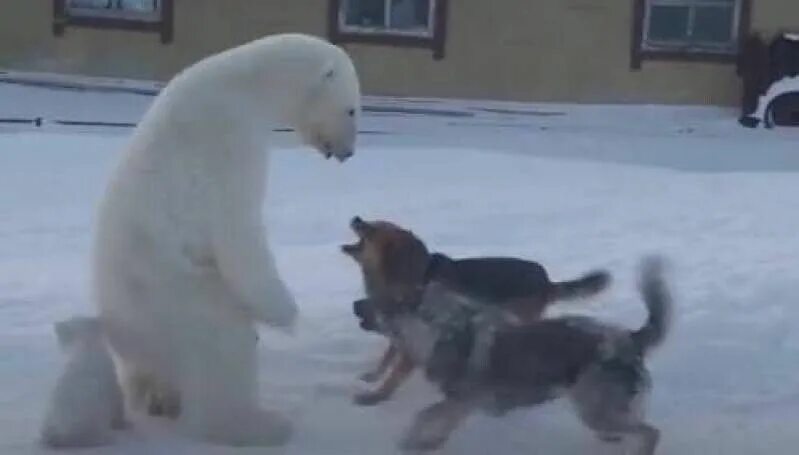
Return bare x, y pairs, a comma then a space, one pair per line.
573, 187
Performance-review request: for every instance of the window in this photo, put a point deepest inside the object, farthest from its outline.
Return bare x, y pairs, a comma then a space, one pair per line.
700, 25
401, 17
144, 15
138, 10
689, 29
414, 23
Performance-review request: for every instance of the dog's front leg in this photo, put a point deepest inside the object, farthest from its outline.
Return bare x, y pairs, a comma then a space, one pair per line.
386, 361
434, 424
402, 367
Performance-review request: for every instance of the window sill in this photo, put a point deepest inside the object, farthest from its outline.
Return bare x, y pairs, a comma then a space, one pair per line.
678, 55
387, 39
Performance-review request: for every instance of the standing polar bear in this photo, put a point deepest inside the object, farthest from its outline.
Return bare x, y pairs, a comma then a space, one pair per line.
182, 269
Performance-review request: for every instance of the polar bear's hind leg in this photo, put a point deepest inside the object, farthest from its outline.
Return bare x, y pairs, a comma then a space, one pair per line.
163, 400
219, 390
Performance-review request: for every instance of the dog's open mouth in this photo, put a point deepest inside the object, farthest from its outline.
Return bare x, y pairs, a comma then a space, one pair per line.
352, 248
359, 227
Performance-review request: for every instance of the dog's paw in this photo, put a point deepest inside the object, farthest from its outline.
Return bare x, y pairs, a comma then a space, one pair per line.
369, 398
420, 441
610, 438
370, 376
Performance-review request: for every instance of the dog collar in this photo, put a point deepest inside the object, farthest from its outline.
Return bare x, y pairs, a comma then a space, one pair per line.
429, 270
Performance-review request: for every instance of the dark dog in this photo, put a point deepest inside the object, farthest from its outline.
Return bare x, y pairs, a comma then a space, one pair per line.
479, 364
521, 286
397, 266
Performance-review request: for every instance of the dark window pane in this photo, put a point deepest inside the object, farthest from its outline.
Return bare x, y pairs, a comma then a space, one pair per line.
365, 13
713, 24
98, 4
142, 6
668, 23
410, 14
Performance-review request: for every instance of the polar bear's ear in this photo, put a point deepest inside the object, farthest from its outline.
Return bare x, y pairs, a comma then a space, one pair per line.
322, 84
329, 72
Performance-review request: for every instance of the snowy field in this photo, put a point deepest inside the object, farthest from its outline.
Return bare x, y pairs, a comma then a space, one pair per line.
572, 187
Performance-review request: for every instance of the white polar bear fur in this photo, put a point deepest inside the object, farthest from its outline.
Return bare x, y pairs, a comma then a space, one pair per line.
181, 269
86, 403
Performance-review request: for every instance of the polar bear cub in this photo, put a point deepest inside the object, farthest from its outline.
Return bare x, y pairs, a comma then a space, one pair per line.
87, 402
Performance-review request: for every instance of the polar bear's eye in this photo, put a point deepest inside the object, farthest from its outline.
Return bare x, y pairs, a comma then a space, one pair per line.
351, 112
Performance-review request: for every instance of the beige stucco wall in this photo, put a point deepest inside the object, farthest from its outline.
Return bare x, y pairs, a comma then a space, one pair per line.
556, 50
201, 27
547, 50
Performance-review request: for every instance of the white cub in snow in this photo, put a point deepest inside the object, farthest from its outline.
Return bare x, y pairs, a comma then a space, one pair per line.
182, 270
87, 402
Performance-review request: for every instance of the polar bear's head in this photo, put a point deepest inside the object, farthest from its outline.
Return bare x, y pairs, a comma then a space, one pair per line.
328, 119
293, 80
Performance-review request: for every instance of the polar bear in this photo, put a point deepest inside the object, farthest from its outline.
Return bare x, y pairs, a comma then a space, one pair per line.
182, 270
86, 403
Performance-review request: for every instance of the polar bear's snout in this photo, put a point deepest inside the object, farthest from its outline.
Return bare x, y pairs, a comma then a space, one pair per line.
329, 150
328, 121
333, 141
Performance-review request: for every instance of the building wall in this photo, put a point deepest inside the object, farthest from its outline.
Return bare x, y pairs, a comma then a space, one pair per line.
201, 27
547, 50
557, 50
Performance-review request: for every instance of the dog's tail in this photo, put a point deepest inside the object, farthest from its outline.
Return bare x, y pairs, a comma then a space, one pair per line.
590, 284
658, 302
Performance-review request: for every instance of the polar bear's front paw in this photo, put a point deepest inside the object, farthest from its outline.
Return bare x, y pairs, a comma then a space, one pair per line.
281, 311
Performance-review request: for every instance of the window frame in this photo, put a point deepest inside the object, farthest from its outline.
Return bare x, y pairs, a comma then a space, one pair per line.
434, 38
642, 50
163, 25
